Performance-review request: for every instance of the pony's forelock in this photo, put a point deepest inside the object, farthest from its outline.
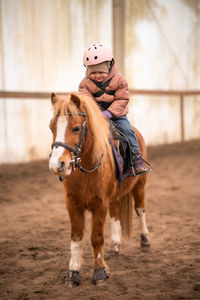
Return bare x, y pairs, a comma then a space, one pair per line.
64, 106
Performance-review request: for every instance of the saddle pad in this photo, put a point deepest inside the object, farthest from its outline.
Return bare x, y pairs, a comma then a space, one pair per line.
120, 172
118, 162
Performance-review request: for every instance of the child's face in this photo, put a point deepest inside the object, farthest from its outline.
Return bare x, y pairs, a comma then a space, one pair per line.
98, 76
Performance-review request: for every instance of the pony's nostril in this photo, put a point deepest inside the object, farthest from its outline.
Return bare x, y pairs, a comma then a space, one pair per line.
61, 167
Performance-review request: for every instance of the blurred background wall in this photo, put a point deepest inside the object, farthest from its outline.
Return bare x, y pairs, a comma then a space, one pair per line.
162, 51
156, 46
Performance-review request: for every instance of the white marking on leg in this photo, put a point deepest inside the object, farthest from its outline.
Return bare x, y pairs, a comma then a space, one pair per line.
142, 218
99, 255
116, 233
60, 137
76, 259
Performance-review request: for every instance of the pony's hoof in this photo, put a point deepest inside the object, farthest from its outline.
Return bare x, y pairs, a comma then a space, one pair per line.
73, 278
144, 241
100, 276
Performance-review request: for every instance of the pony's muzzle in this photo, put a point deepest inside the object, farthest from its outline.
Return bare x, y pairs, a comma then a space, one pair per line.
60, 168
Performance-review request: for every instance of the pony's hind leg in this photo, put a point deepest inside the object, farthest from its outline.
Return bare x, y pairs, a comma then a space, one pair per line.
139, 199
116, 231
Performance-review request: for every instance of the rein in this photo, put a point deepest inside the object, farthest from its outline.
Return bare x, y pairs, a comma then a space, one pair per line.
75, 161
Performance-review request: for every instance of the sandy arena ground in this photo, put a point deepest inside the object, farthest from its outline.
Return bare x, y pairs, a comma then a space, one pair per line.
35, 235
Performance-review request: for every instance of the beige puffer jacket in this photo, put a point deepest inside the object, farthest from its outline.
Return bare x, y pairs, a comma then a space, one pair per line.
117, 101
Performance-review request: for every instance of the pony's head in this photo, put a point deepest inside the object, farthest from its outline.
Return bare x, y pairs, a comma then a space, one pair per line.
78, 127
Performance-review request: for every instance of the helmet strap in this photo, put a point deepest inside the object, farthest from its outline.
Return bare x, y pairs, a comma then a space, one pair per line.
112, 62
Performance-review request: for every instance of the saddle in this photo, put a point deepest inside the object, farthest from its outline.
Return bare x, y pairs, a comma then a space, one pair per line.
122, 153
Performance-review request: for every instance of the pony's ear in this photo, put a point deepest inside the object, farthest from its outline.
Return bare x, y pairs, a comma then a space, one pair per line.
76, 100
53, 98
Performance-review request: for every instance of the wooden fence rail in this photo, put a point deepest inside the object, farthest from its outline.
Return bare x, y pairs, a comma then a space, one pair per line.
178, 93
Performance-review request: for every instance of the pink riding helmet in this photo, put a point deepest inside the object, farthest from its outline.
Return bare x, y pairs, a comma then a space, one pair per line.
96, 54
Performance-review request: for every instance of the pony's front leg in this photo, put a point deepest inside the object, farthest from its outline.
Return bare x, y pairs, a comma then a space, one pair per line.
77, 225
97, 239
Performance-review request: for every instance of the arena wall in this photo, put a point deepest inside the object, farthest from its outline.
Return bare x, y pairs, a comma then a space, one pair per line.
41, 47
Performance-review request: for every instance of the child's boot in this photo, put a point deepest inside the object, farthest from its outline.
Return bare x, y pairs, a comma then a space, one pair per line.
138, 164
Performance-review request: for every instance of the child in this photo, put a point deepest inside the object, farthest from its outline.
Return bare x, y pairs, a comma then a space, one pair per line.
110, 90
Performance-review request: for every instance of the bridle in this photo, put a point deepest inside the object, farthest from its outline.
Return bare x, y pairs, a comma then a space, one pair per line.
75, 151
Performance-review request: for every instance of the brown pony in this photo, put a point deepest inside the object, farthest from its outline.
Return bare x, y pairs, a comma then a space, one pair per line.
82, 157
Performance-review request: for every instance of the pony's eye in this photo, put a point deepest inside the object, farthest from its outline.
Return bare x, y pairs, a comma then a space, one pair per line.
76, 129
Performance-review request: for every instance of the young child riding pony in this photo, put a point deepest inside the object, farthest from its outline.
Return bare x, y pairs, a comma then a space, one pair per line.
110, 90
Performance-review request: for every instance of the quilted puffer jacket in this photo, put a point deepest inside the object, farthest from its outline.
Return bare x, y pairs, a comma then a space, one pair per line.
111, 94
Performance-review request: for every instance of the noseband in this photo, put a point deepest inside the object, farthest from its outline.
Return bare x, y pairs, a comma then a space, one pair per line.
75, 161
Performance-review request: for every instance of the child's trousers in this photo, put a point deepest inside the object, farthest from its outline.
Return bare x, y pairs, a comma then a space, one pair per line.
124, 125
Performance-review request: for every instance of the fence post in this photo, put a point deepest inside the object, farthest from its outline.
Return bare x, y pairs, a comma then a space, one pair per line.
119, 33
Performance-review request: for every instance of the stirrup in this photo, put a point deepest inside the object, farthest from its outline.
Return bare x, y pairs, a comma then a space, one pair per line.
145, 172
142, 173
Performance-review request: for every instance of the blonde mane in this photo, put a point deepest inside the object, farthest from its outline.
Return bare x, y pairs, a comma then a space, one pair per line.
97, 123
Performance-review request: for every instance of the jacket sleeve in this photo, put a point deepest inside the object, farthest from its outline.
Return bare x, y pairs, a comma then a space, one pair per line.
121, 98
83, 88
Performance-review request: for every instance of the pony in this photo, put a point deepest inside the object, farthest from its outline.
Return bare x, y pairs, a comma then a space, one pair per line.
82, 158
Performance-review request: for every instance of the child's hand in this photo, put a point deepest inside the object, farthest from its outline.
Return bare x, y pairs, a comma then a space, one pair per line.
108, 114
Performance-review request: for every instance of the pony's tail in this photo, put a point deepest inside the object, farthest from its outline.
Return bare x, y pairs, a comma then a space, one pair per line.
126, 212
